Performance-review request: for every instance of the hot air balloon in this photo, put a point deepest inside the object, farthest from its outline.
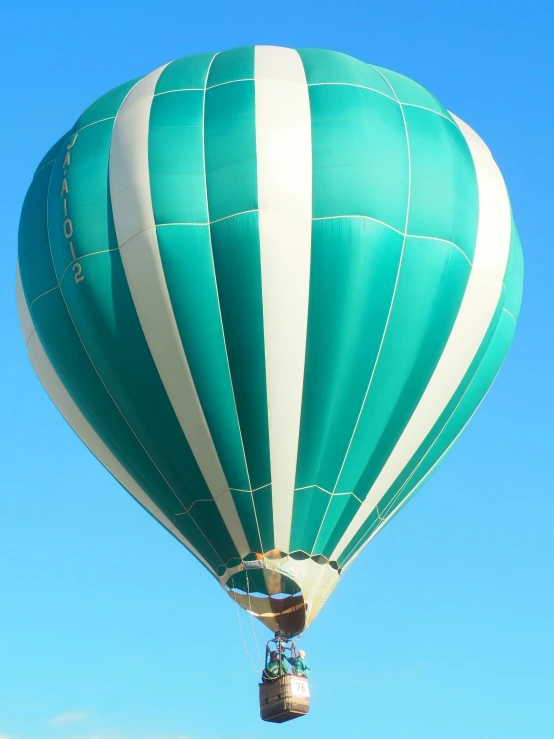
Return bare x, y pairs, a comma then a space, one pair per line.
268, 288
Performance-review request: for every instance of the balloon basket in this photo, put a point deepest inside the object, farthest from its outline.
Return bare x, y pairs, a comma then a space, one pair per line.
285, 698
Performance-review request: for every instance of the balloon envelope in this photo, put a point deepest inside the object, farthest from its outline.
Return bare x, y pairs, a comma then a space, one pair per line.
268, 288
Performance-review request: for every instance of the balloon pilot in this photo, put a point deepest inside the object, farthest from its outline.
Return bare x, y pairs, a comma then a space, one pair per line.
284, 693
277, 659
274, 668
299, 664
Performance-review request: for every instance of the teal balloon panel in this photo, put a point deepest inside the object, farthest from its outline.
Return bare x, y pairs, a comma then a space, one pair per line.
268, 288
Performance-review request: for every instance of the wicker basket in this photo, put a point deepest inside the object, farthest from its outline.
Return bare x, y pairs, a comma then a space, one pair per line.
284, 698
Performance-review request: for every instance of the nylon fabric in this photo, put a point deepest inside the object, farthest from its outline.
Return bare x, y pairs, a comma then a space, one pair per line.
269, 288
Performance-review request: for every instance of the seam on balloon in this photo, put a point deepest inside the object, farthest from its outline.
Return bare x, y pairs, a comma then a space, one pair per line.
101, 379
206, 88
189, 545
445, 241
326, 218
318, 84
231, 164
56, 287
202, 89
309, 487
134, 236
352, 84
457, 175
187, 510
216, 497
486, 169
233, 215
96, 370
152, 509
395, 99
328, 492
351, 547
100, 120
84, 256
335, 394
180, 89
208, 223
396, 230
238, 529
505, 310
177, 223
334, 402
436, 112
43, 166
456, 123
390, 308
73, 133
360, 519
33, 332
118, 248
220, 494
330, 500
253, 490
156, 225
230, 82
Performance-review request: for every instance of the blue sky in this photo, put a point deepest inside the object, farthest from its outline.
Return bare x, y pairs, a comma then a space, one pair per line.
443, 627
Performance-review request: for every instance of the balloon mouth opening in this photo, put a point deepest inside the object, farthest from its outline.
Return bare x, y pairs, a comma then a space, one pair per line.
263, 582
283, 591
272, 597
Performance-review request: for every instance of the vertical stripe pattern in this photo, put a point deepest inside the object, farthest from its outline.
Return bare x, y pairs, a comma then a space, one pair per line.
138, 246
472, 322
73, 416
283, 148
268, 288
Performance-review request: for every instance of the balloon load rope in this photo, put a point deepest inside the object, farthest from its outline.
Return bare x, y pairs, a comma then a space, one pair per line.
244, 644
254, 635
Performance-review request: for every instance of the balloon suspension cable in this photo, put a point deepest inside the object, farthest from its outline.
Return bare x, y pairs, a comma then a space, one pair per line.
256, 670
255, 636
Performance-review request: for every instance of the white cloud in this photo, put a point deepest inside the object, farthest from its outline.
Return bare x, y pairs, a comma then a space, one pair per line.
68, 717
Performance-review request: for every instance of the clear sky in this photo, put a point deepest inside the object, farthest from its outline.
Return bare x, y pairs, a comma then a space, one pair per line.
443, 627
